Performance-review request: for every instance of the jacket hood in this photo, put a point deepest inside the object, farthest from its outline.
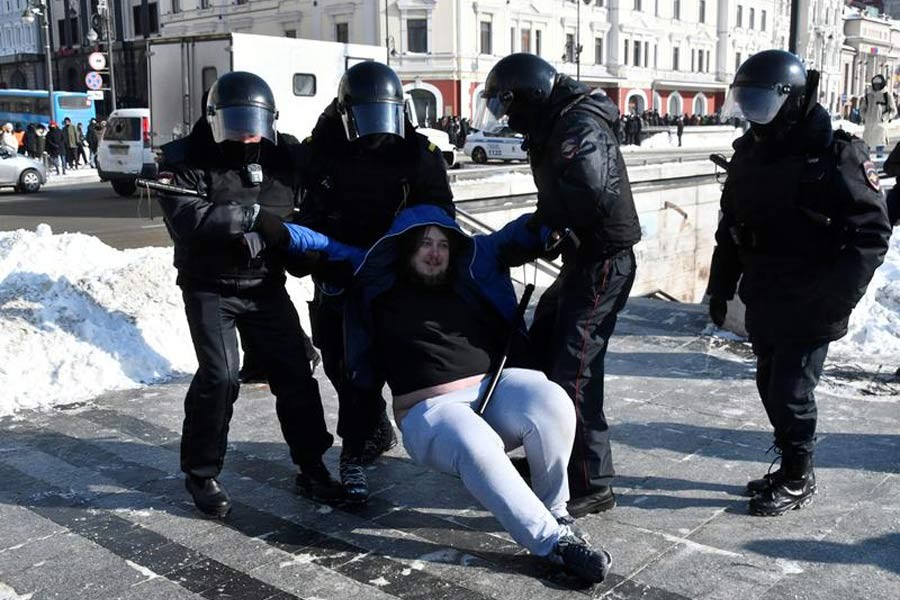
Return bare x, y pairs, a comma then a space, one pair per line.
568, 93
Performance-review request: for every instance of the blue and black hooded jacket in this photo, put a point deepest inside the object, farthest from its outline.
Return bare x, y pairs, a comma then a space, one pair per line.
481, 273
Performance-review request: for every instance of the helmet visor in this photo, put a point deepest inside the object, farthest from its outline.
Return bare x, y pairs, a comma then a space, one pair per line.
238, 123
755, 104
374, 117
490, 114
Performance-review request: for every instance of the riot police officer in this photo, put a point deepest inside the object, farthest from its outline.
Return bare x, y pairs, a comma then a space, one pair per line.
583, 186
803, 226
242, 169
361, 166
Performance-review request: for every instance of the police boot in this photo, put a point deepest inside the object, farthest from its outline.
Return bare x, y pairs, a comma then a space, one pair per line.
794, 489
382, 440
353, 477
315, 482
758, 486
209, 496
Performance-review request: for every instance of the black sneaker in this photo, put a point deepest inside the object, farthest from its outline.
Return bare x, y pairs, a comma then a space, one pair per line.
315, 482
578, 558
785, 495
209, 496
381, 441
354, 480
594, 500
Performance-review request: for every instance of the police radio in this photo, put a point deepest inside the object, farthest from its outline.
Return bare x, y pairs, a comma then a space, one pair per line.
253, 173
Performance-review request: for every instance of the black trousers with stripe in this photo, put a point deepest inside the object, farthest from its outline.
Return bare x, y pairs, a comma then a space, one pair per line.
572, 325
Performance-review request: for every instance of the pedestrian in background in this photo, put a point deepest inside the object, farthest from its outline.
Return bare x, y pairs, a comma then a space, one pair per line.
93, 140
679, 129
8, 139
70, 143
56, 148
82, 157
20, 137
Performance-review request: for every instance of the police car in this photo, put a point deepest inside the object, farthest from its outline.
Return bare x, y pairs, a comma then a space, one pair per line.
501, 144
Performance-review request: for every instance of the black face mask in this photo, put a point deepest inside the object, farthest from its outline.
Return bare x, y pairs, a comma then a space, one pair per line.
878, 84
239, 154
378, 142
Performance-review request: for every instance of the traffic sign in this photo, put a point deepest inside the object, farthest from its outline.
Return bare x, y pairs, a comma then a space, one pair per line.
97, 61
95, 94
93, 80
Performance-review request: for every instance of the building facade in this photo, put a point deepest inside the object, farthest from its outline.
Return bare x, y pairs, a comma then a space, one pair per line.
674, 56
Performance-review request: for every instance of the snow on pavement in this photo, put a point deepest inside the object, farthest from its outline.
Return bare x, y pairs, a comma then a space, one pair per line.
78, 318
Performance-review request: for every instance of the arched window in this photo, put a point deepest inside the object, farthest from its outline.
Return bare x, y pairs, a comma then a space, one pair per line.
18, 80
635, 102
675, 106
700, 105
427, 101
657, 102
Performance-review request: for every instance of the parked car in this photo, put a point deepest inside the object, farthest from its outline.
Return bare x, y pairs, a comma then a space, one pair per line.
501, 144
125, 152
25, 174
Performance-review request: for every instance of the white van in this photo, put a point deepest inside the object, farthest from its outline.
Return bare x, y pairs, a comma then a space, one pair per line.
125, 151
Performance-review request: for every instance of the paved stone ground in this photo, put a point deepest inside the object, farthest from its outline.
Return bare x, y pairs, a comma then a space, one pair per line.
92, 504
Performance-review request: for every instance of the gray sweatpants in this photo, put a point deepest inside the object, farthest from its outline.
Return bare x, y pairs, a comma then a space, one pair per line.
527, 410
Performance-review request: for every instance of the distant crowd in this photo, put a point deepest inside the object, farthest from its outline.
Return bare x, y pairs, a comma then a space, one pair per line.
68, 147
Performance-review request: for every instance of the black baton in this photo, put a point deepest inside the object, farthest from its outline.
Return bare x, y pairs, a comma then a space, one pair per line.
150, 184
495, 376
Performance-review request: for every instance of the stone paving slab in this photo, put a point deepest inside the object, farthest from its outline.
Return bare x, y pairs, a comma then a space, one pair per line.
92, 503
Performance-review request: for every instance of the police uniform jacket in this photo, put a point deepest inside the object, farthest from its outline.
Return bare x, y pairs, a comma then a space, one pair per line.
354, 196
208, 232
580, 173
804, 226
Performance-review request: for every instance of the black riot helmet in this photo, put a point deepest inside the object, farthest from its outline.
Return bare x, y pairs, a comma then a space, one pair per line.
370, 101
517, 89
773, 90
878, 82
241, 105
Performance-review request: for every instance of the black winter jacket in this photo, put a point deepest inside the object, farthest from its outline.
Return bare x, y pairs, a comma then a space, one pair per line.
353, 196
208, 232
804, 226
580, 173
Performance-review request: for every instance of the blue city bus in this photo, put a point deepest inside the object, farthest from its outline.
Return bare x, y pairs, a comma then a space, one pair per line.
31, 106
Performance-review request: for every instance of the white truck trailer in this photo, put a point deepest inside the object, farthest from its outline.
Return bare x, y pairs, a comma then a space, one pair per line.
303, 75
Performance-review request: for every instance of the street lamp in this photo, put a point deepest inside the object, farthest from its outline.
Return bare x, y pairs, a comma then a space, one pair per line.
573, 50
39, 8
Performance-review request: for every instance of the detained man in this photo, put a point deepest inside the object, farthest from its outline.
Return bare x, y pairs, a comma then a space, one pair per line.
430, 310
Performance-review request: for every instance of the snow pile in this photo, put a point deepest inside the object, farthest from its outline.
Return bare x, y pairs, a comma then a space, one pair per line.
874, 333
78, 318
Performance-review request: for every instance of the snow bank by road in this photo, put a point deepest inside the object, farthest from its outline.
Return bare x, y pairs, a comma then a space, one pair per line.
78, 318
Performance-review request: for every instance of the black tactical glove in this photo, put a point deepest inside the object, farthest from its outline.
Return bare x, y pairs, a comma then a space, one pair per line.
271, 227
718, 308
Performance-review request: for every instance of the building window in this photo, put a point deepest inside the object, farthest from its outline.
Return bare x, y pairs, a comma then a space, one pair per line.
66, 38
598, 3
525, 40
417, 35
290, 33
537, 42
656, 8
152, 19
693, 60
637, 53
675, 52
627, 47
655, 49
176, 7
512, 39
242, 1
702, 12
342, 32
752, 17
304, 84
486, 47
646, 53
204, 3
598, 51
676, 9
570, 47
740, 16
737, 61
637, 4
762, 21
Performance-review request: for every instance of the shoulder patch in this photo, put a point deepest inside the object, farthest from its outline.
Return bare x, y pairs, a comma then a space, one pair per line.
569, 147
431, 147
871, 175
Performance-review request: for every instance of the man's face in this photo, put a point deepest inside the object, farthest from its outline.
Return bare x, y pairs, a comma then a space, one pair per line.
431, 259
